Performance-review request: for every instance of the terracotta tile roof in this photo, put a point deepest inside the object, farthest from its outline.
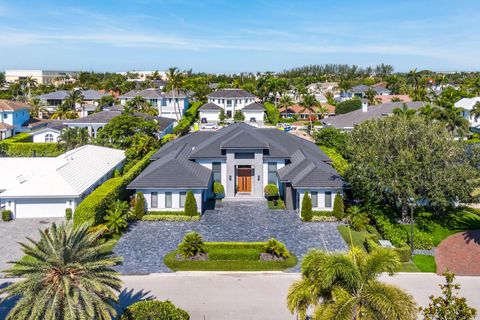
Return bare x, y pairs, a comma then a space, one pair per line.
5, 126
298, 109
388, 98
9, 105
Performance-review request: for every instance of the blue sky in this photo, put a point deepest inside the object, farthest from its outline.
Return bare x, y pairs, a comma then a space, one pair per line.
238, 35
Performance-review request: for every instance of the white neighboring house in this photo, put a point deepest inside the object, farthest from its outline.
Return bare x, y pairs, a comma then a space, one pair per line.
166, 104
94, 123
467, 105
46, 187
90, 101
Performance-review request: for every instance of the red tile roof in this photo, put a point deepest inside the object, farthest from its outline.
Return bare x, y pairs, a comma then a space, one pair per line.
385, 99
9, 105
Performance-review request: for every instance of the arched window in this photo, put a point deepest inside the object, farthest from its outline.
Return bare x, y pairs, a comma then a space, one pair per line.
49, 137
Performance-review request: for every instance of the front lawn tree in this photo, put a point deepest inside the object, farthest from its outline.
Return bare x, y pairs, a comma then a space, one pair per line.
402, 160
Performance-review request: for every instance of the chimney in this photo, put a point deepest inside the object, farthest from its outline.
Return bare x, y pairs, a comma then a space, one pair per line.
364, 105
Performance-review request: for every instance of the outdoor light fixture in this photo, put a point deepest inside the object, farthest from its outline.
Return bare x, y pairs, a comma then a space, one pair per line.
230, 178
258, 177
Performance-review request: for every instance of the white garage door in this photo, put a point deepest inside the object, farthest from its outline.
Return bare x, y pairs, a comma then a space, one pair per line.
40, 208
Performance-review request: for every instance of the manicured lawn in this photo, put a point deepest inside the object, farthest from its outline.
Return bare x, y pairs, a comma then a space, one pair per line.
358, 237
229, 259
410, 267
280, 205
425, 263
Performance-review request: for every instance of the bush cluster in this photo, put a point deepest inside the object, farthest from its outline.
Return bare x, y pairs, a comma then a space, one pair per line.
29, 149
93, 208
139, 206
191, 245
271, 190
218, 189
397, 235
183, 126
338, 161
68, 214
276, 248
154, 310
348, 106
371, 244
421, 240
7, 215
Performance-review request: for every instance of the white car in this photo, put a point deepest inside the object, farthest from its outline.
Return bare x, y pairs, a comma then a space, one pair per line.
210, 126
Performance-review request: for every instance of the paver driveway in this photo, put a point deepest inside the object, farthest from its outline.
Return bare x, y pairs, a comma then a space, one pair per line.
13, 232
146, 243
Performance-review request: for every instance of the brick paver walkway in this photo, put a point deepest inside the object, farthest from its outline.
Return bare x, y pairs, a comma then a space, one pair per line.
460, 253
146, 243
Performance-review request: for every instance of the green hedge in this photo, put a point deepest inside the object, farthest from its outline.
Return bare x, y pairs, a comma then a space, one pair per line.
154, 217
323, 219
92, 209
29, 149
403, 252
154, 310
338, 161
397, 235
236, 245
166, 213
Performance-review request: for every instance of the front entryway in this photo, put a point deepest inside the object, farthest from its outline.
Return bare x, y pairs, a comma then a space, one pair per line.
244, 179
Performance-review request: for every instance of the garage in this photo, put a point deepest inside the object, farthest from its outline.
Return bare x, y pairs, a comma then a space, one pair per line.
38, 208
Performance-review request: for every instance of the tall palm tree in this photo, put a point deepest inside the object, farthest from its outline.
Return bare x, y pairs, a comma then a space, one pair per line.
174, 83
370, 95
393, 84
72, 138
106, 101
414, 79
323, 111
300, 91
344, 85
476, 111
285, 102
310, 103
74, 98
68, 275
345, 287
30, 83
429, 112
37, 108
140, 104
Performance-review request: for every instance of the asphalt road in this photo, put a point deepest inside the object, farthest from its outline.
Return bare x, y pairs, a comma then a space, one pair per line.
231, 296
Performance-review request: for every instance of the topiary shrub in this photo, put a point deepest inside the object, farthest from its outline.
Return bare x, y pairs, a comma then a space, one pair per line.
338, 207
154, 310
68, 214
276, 248
306, 212
191, 245
271, 190
219, 190
190, 205
139, 206
7, 215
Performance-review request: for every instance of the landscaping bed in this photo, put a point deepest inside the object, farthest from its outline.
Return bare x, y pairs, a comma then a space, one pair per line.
169, 216
230, 256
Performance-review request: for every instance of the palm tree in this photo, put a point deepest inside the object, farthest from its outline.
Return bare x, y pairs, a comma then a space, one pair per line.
393, 84
429, 112
476, 110
30, 83
344, 85
285, 102
414, 78
370, 95
37, 109
404, 111
345, 286
454, 121
105, 101
72, 138
64, 111
175, 82
116, 217
323, 111
67, 275
310, 103
140, 104
300, 91
75, 97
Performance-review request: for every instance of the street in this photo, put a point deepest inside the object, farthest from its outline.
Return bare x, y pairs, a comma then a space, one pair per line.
230, 296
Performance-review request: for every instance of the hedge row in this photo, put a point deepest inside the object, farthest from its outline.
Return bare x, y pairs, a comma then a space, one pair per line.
323, 219
92, 210
172, 217
21, 145
236, 245
402, 252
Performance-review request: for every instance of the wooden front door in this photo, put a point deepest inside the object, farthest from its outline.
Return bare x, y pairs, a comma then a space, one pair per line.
244, 180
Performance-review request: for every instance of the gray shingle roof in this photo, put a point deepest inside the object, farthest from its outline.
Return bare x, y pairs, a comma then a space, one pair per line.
254, 106
155, 93
359, 88
174, 164
350, 119
63, 94
231, 93
210, 106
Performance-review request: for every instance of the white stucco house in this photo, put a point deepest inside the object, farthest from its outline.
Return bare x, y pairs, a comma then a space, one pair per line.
244, 159
467, 105
94, 123
231, 101
90, 103
46, 187
170, 104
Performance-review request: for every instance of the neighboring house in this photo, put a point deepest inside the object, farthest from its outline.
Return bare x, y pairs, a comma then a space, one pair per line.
467, 105
42, 76
89, 105
301, 113
46, 187
323, 87
95, 122
244, 159
348, 121
231, 100
253, 113
359, 91
14, 118
164, 102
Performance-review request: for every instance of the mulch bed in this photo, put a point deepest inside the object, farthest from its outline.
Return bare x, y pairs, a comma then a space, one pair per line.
460, 253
